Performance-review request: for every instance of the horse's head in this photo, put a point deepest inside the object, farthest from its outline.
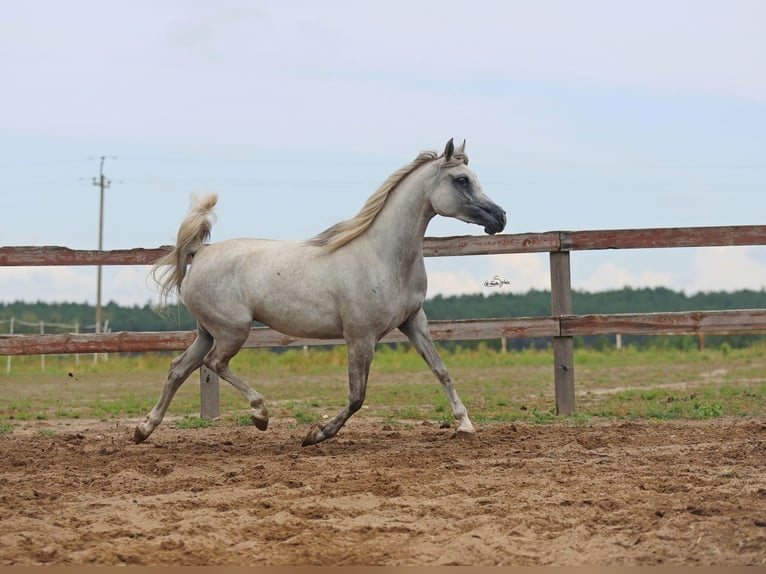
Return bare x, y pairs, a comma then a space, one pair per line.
457, 193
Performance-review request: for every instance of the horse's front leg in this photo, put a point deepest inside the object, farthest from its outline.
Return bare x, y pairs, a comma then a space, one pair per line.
360, 353
416, 329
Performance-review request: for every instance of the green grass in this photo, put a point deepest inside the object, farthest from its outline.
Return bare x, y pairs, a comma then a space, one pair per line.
307, 387
193, 423
695, 401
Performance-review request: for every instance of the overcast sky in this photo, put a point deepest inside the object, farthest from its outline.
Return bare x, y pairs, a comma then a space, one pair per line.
578, 115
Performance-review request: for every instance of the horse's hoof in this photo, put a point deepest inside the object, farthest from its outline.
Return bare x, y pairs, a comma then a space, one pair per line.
314, 436
139, 436
259, 422
466, 436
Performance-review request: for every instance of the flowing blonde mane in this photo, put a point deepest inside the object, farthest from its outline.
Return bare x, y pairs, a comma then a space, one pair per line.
341, 233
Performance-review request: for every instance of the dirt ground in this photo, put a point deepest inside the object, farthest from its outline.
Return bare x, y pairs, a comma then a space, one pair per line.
630, 493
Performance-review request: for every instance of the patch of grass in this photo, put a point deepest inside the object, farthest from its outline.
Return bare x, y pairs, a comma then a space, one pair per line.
539, 417
306, 416
411, 412
446, 420
581, 418
243, 420
193, 423
115, 407
707, 411
391, 419
6, 427
65, 413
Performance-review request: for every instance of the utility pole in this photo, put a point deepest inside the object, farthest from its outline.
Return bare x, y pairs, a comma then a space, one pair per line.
102, 183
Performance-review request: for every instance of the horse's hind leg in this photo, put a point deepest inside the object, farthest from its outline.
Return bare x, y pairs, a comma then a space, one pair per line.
218, 359
180, 369
416, 329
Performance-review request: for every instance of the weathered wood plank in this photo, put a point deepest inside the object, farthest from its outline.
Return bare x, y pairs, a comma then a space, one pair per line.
441, 246
491, 244
679, 323
260, 337
95, 343
737, 321
464, 330
53, 255
668, 237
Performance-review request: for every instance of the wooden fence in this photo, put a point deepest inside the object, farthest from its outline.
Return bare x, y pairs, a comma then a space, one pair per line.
562, 325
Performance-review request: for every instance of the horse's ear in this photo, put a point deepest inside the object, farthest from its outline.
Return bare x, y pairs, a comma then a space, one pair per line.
449, 149
461, 151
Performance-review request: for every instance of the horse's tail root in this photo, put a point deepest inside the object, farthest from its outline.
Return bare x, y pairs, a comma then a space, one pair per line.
170, 269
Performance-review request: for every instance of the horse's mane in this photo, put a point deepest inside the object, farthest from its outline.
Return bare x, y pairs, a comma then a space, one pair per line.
343, 232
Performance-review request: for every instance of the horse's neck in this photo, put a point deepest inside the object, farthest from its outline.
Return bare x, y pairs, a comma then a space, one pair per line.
400, 226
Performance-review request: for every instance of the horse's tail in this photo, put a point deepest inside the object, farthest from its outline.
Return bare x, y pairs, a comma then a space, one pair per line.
170, 269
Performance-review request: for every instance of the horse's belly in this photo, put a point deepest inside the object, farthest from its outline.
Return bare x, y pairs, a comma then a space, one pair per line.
297, 310
308, 320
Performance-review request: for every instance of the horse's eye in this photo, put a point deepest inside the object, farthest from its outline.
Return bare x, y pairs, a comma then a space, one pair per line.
462, 180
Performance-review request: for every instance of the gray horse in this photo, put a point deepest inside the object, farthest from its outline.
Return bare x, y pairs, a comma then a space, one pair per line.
357, 280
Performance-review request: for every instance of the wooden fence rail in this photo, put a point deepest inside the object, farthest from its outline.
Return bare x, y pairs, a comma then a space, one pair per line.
562, 325
719, 322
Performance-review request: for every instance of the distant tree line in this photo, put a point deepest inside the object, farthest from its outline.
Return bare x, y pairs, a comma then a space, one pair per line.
534, 303
537, 303
117, 317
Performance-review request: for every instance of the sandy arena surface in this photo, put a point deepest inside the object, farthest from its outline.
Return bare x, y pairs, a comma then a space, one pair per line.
630, 493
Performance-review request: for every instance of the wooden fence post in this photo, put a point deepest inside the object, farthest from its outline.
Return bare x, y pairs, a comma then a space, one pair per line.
210, 404
563, 346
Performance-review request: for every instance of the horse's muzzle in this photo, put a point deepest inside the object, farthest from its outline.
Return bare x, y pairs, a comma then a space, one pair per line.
495, 222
